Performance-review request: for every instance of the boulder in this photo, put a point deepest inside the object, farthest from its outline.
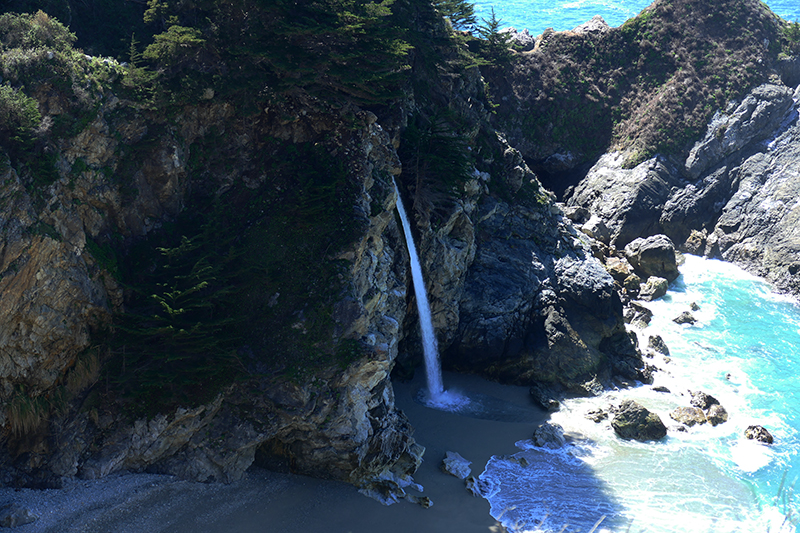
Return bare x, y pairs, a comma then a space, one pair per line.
619, 268
688, 415
14, 515
685, 318
653, 256
702, 400
657, 344
653, 289
759, 433
638, 315
456, 465
716, 415
661, 388
633, 421
632, 284
549, 435
597, 229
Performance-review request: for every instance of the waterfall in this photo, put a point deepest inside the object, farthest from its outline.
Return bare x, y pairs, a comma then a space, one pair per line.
429, 345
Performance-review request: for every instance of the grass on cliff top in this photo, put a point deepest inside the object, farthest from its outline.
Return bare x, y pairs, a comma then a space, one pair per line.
650, 85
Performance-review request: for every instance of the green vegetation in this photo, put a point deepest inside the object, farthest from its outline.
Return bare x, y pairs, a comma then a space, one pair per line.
649, 86
239, 286
436, 162
791, 32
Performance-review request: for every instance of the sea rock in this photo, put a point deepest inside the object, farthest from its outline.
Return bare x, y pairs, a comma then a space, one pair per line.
14, 515
717, 415
653, 256
633, 421
653, 288
638, 315
422, 501
525, 317
661, 388
657, 344
633, 285
759, 433
685, 318
549, 435
597, 415
688, 415
702, 400
456, 465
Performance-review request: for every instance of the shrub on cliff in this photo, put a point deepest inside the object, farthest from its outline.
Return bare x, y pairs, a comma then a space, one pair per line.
650, 85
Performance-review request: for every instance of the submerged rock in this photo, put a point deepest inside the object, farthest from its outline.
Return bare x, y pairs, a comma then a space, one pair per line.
633, 421
597, 415
456, 465
759, 433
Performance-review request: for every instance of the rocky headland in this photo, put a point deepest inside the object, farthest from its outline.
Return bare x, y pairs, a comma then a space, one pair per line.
197, 276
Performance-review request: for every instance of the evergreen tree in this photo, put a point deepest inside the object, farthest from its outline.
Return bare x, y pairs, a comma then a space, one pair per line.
498, 44
460, 13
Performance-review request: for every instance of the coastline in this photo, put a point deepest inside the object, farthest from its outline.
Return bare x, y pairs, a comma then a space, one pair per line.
267, 501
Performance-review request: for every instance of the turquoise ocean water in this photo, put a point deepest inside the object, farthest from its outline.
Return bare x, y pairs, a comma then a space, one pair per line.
538, 15
745, 351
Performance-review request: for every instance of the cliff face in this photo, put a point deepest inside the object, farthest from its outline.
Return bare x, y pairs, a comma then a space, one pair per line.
196, 285
728, 199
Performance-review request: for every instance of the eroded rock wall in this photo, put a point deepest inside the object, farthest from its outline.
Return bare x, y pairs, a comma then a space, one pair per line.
731, 198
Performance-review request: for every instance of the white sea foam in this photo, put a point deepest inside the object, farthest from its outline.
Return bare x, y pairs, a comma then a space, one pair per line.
743, 351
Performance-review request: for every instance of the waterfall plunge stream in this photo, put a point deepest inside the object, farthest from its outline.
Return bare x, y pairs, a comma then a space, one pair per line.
429, 345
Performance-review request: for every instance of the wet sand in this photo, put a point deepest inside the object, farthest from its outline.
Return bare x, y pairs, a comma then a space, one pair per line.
273, 502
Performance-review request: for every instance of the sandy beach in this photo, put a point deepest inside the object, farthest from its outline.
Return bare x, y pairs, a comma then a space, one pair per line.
274, 502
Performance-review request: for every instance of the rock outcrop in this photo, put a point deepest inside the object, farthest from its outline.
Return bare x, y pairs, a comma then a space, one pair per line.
731, 198
653, 256
759, 433
633, 421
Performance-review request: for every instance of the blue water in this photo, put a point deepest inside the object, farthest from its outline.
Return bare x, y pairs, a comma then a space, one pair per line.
745, 351
538, 15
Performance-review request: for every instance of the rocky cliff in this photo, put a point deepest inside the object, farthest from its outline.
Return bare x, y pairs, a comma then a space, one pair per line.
283, 220
199, 279
729, 198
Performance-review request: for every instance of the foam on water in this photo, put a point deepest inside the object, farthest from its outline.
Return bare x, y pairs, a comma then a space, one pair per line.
745, 351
